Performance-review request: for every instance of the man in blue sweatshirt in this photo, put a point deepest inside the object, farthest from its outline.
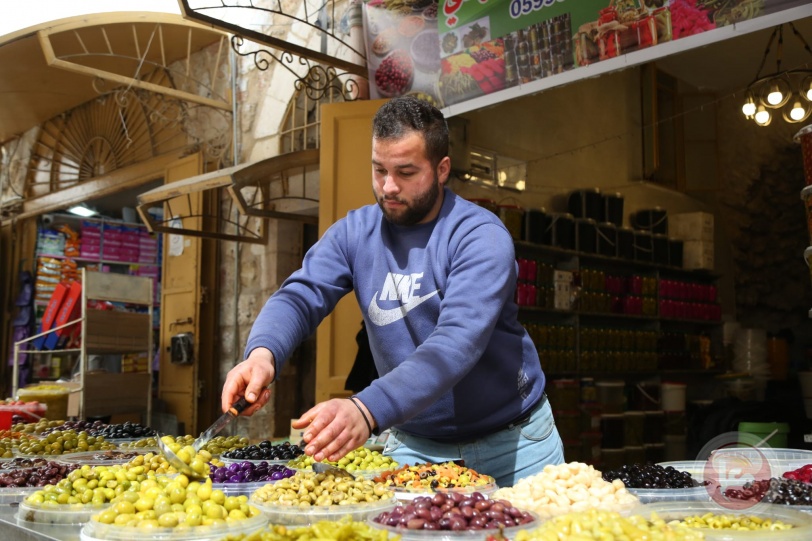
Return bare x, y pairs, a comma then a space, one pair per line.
435, 277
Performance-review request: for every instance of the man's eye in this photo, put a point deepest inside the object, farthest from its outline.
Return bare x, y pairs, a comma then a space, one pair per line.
380, 171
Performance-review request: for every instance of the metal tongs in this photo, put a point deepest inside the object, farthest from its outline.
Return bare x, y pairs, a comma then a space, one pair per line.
322, 467
176, 462
233, 412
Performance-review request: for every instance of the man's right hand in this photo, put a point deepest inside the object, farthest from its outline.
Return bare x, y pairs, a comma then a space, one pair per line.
250, 378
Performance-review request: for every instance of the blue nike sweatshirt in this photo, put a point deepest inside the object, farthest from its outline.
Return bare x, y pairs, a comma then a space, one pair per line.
437, 300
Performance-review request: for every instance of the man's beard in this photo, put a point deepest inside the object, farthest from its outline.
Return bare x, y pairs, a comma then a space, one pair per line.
415, 211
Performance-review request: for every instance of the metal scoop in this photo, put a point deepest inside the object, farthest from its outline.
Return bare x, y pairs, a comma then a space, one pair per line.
176, 462
321, 467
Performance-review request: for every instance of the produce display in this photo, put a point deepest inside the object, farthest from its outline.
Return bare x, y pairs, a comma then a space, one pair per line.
265, 450
651, 476
64, 441
343, 529
249, 472
359, 460
434, 476
454, 512
567, 487
600, 525
305, 489
49, 473
773, 490
732, 522
172, 503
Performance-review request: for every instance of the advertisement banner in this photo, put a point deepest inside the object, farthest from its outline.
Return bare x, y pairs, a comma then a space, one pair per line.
457, 50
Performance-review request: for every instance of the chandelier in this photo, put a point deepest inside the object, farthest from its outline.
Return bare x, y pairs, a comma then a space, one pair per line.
789, 91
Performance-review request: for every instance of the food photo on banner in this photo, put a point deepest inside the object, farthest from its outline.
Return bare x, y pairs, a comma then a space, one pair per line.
458, 50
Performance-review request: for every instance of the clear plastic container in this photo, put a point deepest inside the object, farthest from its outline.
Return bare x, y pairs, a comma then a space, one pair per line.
68, 514
366, 474
240, 489
289, 515
658, 495
406, 493
100, 458
94, 530
449, 535
9, 495
801, 522
228, 461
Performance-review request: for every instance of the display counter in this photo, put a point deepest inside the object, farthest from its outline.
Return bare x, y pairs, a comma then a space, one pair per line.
11, 531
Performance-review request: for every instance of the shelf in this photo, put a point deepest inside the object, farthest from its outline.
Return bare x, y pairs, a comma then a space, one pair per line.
610, 315
635, 373
563, 253
100, 261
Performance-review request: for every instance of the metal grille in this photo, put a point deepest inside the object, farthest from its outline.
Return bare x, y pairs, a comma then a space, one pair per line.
300, 127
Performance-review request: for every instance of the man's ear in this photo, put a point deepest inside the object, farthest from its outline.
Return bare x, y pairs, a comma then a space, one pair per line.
443, 170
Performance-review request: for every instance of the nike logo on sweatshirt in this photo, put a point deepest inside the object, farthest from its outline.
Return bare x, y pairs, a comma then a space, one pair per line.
397, 287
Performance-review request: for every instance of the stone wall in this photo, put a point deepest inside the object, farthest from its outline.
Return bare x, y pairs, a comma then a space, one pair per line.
760, 180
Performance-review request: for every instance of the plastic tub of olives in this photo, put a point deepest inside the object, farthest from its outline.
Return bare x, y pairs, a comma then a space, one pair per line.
423, 520
95, 531
801, 522
289, 515
10, 495
62, 514
365, 474
228, 461
657, 495
103, 458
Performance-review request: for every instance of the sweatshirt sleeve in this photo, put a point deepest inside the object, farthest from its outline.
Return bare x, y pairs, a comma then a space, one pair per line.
292, 313
481, 281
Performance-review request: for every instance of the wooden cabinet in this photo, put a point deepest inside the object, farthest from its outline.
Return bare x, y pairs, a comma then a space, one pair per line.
124, 328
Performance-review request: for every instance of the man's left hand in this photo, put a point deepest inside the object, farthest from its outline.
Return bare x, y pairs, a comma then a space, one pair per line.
333, 429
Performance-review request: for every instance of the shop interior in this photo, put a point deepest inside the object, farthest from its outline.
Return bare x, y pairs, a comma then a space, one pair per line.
696, 155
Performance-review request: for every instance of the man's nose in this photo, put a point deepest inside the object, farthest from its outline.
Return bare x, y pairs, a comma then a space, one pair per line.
389, 184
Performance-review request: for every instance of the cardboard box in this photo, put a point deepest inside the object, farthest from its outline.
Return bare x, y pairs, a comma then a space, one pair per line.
697, 254
691, 226
562, 300
562, 276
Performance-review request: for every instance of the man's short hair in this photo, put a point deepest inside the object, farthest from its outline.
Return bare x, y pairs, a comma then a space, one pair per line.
399, 116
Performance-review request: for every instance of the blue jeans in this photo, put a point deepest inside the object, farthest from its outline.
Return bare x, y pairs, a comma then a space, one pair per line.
508, 455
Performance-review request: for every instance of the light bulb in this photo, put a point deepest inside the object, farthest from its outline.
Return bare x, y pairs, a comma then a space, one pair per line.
749, 108
809, 93
797, 113
775, 96
763, 116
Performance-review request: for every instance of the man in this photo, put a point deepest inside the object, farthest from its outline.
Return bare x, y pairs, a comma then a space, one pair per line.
435, 276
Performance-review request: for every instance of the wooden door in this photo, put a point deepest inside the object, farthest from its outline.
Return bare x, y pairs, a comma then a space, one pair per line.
180, 297
345, 184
